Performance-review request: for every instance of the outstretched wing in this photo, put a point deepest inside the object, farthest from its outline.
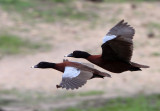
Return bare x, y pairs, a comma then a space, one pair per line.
117, 44
73, 78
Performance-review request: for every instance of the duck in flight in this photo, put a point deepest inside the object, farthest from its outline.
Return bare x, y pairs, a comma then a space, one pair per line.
75, 74
117, 49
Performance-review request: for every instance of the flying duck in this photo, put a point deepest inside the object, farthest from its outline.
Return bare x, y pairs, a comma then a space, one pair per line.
117, 49
75, 74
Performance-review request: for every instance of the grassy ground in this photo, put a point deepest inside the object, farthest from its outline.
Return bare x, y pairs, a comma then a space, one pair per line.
54, 10
138, 103
11, 44
32, 99
129, 0
46, 101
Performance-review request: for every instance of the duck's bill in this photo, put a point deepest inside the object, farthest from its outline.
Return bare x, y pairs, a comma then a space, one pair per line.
34, 66
69, 55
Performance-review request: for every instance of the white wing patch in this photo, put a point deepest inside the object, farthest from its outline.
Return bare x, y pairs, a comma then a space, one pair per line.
71, 72
108, 37
74, 78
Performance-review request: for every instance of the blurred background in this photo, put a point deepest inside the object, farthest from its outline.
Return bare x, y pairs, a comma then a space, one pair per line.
45, 30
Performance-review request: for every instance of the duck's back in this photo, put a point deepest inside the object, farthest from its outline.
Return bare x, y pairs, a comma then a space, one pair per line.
112, 66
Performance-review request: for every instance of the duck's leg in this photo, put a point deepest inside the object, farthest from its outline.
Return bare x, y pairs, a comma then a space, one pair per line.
58, 86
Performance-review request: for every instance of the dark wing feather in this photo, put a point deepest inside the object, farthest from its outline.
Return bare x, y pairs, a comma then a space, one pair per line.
108, 53
120, 47
123, 29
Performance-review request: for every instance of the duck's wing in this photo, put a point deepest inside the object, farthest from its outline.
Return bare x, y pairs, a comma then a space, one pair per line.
118, 44
73, 78
88, 64
89, 68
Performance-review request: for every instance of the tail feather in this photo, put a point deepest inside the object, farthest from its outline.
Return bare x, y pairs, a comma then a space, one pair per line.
135, 69
139, 65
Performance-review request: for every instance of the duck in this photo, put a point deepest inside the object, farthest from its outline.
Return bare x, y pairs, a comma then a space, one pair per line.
75, 74
117, 50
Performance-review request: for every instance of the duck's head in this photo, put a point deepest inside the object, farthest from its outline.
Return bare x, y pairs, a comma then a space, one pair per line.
78, 54
44, 65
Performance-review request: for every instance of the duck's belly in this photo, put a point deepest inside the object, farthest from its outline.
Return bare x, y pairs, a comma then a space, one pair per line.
115, 66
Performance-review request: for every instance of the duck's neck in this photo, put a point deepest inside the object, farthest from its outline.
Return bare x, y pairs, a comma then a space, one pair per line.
57, 66
95, 59
60, 67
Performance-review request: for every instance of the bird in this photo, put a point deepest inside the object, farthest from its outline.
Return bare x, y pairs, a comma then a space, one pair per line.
117, 49
75, 74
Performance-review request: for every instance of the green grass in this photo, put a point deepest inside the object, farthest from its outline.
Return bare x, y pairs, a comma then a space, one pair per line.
90, 93
138, 103
156, 54
61, 1
18, 5
25, 98
36, 98
130, 0
51, 11
11, 44
54, 10
81, 94
153, 25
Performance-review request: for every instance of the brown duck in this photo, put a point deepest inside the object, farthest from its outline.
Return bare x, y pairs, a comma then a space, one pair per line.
117, 49
75, 74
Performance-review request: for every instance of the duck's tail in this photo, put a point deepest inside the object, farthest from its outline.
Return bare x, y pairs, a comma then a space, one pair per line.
139, 65
136, 66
